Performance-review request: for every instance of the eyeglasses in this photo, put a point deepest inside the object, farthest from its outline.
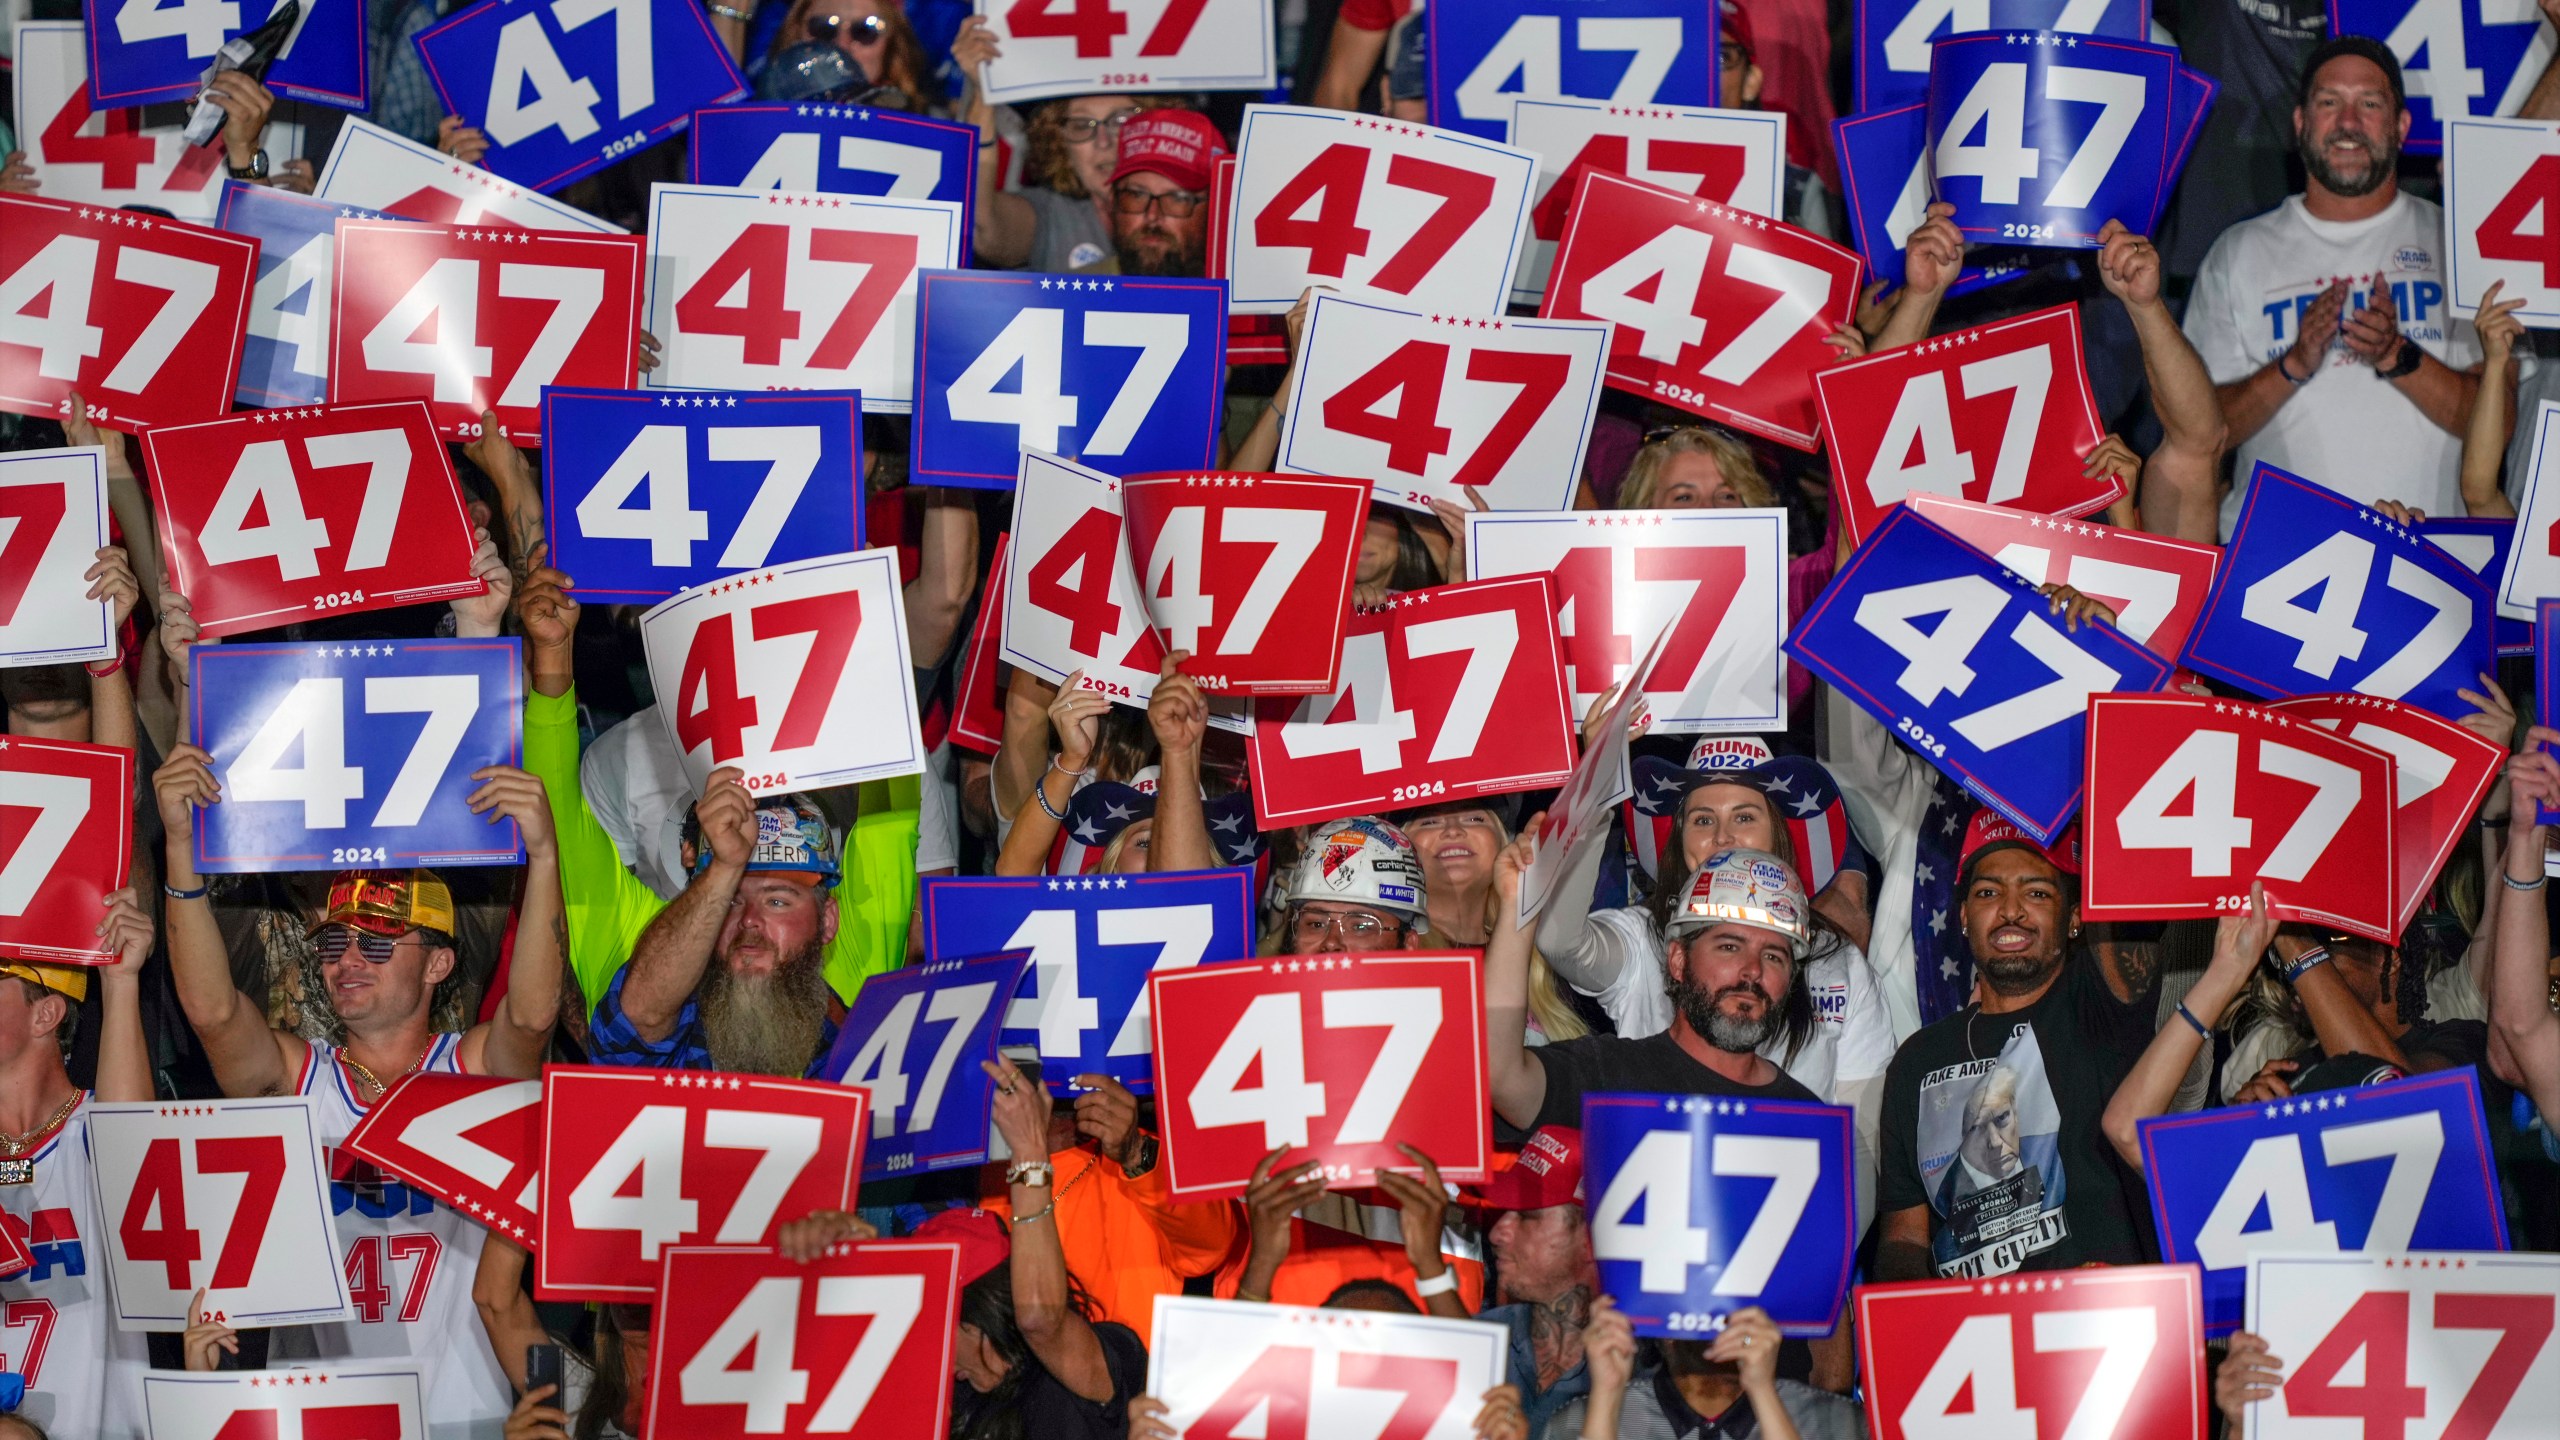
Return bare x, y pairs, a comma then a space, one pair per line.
869, 30
333, 943
1453, 820
1176, 204
1080, 129
1357, 925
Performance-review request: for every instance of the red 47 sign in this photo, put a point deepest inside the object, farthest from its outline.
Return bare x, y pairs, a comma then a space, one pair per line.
1720, 312
2422, 1346
511, 312
2082, 1353
2190, 799
144, 317
1393, 1041
1727, 157
1250, 573
273, 516
1444, 693
1218, 1363
2440, 774
124, 156
675, 1157
856, 1342
380, 1400
472, 1141
797, 674
780, 290
1378, 209
66, 807
2157, 585
2001, 414
1070, 599
228, 1196
54, 503
1432, 405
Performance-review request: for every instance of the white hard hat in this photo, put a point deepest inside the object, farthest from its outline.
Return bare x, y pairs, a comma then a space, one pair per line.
1361, 861
1747, 887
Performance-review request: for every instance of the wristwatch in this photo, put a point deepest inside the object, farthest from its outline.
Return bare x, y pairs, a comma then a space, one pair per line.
1145, 1160
256, 169
2403, 363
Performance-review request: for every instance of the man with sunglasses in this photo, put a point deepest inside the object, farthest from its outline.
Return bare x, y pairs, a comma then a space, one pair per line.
385, 945
1160, 195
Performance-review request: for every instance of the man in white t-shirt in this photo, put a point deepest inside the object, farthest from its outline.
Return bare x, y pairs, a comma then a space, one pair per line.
2324, 320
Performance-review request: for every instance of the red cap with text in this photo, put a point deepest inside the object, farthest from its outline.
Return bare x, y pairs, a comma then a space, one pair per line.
1989, 830
1547, 1174
1180, 145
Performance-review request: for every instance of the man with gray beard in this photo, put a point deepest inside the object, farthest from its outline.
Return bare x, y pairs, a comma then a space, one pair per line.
731, 975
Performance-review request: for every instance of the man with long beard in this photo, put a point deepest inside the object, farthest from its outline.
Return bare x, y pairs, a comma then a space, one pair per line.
2323, 321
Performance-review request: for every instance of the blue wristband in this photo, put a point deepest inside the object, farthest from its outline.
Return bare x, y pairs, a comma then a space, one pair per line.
2303, 964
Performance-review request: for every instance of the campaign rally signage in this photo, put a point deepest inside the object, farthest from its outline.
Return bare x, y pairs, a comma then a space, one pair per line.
2440, 774
142, 316
227, 1196
2107, 1351
377, 170
2532, 572
1393, 1041
1483, 57
1602, 780
1376, 209
681, 1157
913, 1041
2155, 585
2001, 413
785, 289
472, 1141
1250, 573
1070, 599
855, 1342
55, 503
646, 495
286, 360
513, 310
797, 674
2482, 56
2301, 1162
2482, 546
2035, 151
1251, 339
835, 150
1995, 693
2319, 595
977, 711
1894, 36
1084, 47
357, 1398
1217, 1363
1884, 179
2501, 201
1736, 158
326, 764
1702, 1206
1125, 374
1711, 584
1431, 406
2190, 799
600, 92
112, 157
1719, 312
1445, 693
276, 516
148, 50
2433, 1345
1094, 940
73, 852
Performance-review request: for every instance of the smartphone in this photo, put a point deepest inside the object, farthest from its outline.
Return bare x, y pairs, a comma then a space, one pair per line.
542, 1367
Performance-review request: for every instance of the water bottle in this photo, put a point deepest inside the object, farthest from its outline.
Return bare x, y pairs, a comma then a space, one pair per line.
252, 52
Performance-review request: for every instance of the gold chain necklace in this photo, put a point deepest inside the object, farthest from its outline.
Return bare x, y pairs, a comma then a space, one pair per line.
14, 1168
367, 1075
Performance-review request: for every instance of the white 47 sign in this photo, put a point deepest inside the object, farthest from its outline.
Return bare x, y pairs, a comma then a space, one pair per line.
2423, 1346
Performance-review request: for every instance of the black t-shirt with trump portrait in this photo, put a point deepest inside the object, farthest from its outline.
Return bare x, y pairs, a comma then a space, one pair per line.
1992, 1121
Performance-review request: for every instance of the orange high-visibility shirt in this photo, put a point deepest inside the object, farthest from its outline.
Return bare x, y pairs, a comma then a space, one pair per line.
1126, 1240
1323, 1259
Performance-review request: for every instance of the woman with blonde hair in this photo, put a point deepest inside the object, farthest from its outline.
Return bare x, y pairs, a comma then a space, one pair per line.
1060, 218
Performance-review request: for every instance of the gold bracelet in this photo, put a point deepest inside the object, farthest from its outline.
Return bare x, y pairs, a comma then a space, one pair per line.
1247, 1295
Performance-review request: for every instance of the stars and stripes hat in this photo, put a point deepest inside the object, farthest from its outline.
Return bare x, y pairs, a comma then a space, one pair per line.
1099, 811
1800, 789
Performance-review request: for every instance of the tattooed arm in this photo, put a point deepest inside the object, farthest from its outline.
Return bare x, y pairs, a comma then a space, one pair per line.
519, 491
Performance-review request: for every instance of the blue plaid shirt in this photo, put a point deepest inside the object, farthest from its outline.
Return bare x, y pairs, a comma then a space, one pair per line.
612, 1040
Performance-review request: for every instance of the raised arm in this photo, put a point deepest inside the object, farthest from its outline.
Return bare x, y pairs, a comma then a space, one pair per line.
1179, 714
2177, 494
1044, 1307
247, 1057
124, 1057
1349, 60
1931, 260
111, 715
2238, 941
946, 575
1023, 751
2519, 974
673, 952
512, 1041
1076, 716
1005, 225
511, 470
2484, 441
2339, 1021
1517, 1078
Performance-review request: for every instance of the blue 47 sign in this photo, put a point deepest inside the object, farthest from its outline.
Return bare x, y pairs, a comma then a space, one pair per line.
1894, 36
2319, 595
835, 150
1094, 940
2041, 139
1995, 693
2481, 546
1484, 54
915, 1038
647, 494
607, 78
335, 756
2482, 56
146, 50
2388, 1168
284, 359
1702, 1206
1125, 375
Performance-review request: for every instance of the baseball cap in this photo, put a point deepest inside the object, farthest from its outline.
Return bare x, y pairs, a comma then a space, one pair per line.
69, 981
387, 902
1547, 1173
792, 837
1749, 887
2363, 47
1180, 145
1991, 831
980, 1236
1737, 28
1361, 861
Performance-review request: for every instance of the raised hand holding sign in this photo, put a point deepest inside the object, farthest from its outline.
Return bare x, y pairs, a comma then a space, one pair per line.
472, 1141
835, 150
1893, 36
56, 504
2156, 585
76, 851
1249, 573
2483, 57
102, 156
2040, 139
2467, 1337
1083, 47
2501, 200
1484, 57
915, 1040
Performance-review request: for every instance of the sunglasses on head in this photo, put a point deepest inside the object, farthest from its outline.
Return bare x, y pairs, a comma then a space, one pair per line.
334, 942
869, 30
